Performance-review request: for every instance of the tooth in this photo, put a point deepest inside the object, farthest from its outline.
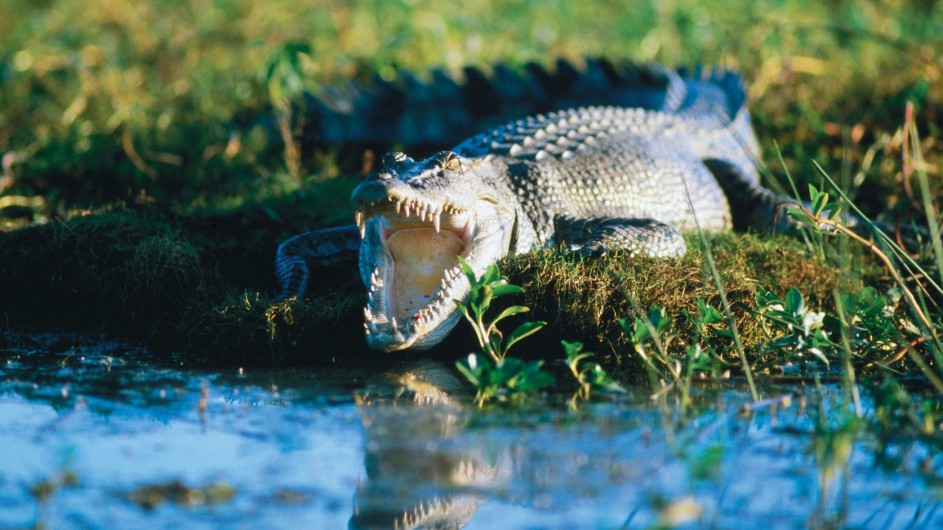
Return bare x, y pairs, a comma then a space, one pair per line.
437, 221
361, 223
399, 204
393, 322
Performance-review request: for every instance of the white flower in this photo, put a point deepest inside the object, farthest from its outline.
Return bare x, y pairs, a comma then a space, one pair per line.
812, 320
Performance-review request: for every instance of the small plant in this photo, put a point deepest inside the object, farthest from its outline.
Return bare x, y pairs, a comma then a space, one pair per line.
508, 378
800, 330
494, 374
651, 337
703, 355
588, 375
483, 290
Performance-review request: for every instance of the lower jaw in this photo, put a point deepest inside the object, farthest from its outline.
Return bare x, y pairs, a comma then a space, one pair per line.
417, 342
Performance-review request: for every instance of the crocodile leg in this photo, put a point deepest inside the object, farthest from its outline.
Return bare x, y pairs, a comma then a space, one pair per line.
330, 246
759, 208
752, 205
598, 235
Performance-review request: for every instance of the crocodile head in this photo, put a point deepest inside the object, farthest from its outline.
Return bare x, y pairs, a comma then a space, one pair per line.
415, 219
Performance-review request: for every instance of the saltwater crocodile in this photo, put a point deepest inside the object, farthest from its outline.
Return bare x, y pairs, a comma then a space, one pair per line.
590, 178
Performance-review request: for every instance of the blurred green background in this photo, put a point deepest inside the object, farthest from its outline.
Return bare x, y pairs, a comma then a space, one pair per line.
119, 100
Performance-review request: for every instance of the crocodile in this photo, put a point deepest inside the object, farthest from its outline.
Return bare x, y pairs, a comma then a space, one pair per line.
592, 178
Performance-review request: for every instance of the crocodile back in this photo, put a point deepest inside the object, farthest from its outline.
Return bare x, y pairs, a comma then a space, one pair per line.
609, 162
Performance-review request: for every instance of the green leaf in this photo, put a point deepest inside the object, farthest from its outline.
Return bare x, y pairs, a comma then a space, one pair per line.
799, 215
819, 199
640, 331
521, 376
626, 327
833, 208
524, 330
466, 268
794, 303
494, 346
484, 298
600, 380
707, 313
513, 310
505, 289
475, 368
659, 319
573, 351
491, 275
813, 193
765, 299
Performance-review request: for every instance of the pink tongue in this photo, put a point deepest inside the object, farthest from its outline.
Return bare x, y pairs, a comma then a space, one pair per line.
420, 258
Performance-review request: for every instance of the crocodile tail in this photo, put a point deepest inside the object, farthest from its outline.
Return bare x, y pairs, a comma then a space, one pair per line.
717, 99
716, 90
441, 110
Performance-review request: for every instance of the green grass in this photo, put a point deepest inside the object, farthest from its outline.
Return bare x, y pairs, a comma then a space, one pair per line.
103, 104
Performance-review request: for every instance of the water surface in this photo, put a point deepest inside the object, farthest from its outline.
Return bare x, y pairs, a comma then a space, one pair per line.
96, 435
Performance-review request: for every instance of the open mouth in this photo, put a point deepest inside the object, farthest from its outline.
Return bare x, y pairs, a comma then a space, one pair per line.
409, 260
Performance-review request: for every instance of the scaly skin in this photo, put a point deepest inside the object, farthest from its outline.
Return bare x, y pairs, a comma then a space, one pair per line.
593, 179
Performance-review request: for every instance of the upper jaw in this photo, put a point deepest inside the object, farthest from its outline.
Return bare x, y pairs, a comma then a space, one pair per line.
410, 211
409, 265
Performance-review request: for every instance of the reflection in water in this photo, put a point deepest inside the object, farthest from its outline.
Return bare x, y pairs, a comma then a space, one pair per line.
412, 479
93, 426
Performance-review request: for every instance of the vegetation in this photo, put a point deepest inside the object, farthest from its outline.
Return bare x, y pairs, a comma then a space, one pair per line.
494, 374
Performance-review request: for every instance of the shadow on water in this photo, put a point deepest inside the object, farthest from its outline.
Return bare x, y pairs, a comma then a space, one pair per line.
96, 435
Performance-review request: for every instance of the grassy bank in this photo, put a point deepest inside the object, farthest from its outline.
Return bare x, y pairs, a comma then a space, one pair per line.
124, 102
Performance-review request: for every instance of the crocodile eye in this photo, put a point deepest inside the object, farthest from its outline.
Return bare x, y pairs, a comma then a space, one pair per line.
451, 161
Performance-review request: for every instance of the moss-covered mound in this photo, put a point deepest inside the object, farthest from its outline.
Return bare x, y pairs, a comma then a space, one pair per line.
584, 298
188, 284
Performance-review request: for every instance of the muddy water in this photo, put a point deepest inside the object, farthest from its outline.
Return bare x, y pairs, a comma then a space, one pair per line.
95, 436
